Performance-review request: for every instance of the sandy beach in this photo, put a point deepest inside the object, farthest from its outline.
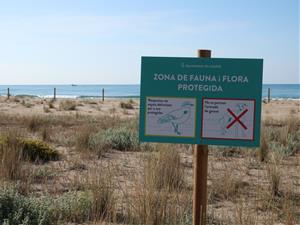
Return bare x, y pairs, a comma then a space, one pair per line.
92, 107
276, 109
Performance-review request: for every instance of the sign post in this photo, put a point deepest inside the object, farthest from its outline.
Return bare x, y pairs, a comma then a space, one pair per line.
203, 101
200, 174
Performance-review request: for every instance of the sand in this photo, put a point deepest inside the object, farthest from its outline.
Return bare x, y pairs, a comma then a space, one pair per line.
93, 107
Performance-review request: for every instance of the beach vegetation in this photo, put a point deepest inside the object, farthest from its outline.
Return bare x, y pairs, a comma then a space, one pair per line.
46, 109
273, 174
34, 122
263, 149
51, 104
17, 209
151, 184
83, 136
164, 169
112, 110
36, 150
155, 196
68, 105
121, 138
127, 105
11, 156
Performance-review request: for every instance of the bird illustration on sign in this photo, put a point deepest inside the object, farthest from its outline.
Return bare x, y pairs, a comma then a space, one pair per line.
177, 117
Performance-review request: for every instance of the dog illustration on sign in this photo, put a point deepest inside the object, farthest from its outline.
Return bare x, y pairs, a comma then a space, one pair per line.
177, 117
229, 119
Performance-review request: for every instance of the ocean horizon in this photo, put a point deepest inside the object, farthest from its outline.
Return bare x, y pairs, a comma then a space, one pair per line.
278, 91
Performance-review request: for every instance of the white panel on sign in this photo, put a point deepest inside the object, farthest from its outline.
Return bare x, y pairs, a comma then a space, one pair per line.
228, 119
168, 116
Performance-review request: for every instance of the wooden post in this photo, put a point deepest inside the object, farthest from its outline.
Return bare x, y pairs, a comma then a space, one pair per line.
102, 94
269, 94
54, 94
8, 93
200, 174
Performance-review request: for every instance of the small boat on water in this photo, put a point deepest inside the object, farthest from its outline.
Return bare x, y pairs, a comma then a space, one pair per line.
73, 85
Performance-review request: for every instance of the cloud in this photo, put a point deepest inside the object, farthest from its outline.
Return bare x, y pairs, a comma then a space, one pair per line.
164, 23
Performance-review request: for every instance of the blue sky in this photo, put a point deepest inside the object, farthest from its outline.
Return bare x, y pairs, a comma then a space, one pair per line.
101, 42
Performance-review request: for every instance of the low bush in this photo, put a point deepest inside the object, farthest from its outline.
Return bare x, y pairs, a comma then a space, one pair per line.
74, 207
36, 150
51, 104
127, 105
284, 140
121, 138
67, 105
16, 209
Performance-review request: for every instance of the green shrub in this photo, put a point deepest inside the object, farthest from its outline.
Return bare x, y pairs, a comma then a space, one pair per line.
98, 144
38, 150
283, 140
16, 209
122, 138
74, 207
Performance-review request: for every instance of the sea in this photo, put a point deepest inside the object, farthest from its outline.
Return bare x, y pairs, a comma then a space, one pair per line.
278, 91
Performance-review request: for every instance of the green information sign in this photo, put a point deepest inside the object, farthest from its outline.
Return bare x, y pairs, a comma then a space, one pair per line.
213, 101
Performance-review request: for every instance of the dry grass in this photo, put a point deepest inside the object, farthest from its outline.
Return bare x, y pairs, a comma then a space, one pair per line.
102, 186
264, 148
11, 156
34, 122
46, 133
274, 175
243, 214
164, 170
157, 199
225, 185
83, 135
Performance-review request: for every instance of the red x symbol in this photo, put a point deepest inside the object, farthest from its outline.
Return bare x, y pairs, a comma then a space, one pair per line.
237, 118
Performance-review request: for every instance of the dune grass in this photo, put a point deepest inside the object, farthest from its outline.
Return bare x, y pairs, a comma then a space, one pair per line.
104, 175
